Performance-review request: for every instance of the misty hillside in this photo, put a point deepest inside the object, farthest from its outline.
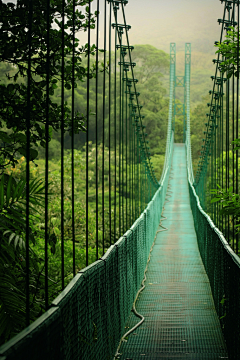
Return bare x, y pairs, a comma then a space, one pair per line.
159, 23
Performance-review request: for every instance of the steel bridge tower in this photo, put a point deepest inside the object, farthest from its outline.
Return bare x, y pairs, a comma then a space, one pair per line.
180, 81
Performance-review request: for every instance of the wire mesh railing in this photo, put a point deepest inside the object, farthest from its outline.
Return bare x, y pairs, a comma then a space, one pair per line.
217, 166
222, 266
217, 177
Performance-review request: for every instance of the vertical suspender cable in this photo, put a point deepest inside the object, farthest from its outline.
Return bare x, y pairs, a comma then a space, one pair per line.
233, 134
135, 167
237, 111
122, 145
109, 126
126, 157
215, 152
62, 148
46, 154
131, 162
96, 128
227, 141
138, 171
103, 145
87, 143
28, 124
221, 136
115, 127
120, 138
72, 144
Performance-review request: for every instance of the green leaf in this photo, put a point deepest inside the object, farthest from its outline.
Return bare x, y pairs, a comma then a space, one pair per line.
67, 86
2, 192
18, 191
10, 87
43, 143
16, 241
11, 237
33, 154
215, 200
9, 190
20, 137
4, 137
33, 185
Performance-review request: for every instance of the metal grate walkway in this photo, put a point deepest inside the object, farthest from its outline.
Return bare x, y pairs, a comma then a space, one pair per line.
180, 318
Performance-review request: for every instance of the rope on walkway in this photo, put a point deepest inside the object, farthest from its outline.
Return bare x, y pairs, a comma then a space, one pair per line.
118, 354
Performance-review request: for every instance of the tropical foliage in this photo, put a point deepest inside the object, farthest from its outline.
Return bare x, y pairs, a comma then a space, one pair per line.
13, 266
228, 199
229, 49
34, 73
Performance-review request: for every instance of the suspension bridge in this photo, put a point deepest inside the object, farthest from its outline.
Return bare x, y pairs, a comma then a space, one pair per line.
159, 277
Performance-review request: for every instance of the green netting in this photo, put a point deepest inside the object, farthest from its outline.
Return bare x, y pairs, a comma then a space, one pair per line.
223, 269
221, 263
86, 321
32, 343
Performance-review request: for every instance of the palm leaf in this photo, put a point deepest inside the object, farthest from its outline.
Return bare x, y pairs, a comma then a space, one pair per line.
12, 261
18, 190
9, 191
12, 306
2, 192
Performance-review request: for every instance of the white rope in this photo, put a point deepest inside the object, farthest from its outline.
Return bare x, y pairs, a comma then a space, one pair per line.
118, 354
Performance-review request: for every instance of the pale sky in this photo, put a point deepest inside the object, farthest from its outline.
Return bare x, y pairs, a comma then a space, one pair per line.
159, 22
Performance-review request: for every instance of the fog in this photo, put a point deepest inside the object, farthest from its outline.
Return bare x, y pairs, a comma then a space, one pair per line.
159, 22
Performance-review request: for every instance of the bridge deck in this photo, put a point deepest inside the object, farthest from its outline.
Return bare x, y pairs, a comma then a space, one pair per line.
180, 318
